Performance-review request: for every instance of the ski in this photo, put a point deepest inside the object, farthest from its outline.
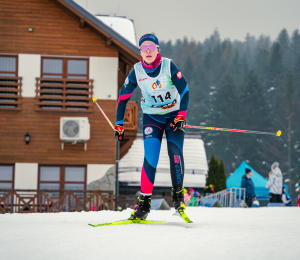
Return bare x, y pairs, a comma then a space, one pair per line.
183, 216
127, 221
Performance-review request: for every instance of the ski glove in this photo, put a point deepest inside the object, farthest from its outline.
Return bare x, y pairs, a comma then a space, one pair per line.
119, 132
177, 122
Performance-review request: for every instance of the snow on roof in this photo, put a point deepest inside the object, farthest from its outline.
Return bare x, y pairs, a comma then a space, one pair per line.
121, 25
194, 159
97, 23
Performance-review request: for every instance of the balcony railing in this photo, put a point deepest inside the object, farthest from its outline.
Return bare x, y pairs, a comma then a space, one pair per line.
32, 201
53, 94
10, 93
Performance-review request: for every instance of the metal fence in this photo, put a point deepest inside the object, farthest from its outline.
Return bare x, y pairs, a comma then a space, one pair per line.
226, 197
32, 201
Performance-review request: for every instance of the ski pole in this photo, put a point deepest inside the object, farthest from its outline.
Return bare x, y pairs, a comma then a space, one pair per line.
278, 133
112, 126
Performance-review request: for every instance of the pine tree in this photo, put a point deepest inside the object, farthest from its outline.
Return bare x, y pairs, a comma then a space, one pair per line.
262, 65
256, 115
224, 92
188, 69
225, 113
292, 116
212, 177
284, 41
276, 70
295, 47
221, 176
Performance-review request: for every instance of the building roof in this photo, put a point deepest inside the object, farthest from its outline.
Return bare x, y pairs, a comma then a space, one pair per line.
194, 159
121, 25
124, 45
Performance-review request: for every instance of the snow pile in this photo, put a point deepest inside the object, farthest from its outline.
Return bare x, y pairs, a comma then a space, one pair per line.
217, 233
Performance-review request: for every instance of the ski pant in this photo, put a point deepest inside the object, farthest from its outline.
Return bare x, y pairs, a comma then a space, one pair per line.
249, 201
275, 198
153, 133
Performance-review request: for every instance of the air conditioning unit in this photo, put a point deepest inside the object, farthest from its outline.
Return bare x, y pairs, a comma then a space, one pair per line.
74, 129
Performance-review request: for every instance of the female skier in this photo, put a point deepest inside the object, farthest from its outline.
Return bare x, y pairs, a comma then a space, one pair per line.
165, 98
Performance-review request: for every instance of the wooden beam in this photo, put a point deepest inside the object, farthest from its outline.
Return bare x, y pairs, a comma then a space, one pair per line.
81, 23
133, 56
108, 41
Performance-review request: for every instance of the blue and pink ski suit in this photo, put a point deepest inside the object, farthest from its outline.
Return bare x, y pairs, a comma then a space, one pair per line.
165, 95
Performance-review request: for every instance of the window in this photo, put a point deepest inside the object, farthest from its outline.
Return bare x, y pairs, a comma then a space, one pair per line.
65, 68
6, 177
10, 83
64, 85
62, 178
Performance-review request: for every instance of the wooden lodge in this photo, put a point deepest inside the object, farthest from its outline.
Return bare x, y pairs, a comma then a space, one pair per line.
54, 57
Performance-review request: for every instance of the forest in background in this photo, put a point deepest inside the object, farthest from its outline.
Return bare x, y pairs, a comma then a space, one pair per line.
253, 85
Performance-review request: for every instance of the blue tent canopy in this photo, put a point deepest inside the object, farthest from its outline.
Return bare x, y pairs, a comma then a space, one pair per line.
235, 180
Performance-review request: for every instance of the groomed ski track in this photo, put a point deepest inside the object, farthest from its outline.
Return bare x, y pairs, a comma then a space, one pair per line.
217, 233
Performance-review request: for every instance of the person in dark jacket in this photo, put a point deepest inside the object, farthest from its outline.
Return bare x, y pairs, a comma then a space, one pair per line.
249, 187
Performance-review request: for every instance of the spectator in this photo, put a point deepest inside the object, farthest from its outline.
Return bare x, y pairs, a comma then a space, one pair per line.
191, 192
187, 197
248, 185
193, 199
196, 194
209, 190
286, 199
275, 183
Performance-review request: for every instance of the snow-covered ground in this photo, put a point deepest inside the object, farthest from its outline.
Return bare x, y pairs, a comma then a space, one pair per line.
217, 233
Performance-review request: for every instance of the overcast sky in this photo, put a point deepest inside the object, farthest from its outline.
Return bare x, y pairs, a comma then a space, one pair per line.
197, 19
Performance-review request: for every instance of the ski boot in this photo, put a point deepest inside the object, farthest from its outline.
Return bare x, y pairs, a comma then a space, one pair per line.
178, 202
144, 208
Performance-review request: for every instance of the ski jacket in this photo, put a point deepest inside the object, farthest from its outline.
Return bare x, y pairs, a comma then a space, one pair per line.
248, 184
165, 91
163, 96
275, 182
284, 199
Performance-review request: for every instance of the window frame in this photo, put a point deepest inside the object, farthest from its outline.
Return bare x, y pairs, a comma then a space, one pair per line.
13, 176
62, 181
64, 73
17, 64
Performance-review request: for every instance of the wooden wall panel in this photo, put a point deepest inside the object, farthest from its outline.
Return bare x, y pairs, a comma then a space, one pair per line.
45, 145
55, 31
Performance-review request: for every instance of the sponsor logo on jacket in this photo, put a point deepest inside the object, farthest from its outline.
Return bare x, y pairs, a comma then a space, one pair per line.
143, 79
179, 75
156, 85
167, 106
148, 130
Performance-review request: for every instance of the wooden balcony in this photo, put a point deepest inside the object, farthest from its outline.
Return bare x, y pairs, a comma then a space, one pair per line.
131, 116
72, 95
130, 125
10, 93
33, 201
